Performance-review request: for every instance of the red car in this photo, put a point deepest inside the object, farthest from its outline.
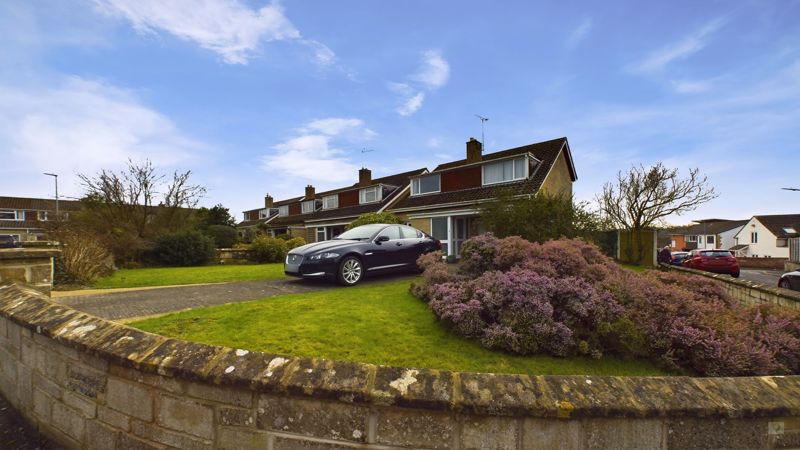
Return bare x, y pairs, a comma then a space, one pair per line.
717, 261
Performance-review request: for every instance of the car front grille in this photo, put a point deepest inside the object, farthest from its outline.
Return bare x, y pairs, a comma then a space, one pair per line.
294, 259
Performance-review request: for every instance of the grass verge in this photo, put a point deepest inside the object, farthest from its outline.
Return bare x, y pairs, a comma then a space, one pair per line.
373, 323
167, 276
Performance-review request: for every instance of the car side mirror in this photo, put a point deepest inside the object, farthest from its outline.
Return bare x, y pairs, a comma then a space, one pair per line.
382, 239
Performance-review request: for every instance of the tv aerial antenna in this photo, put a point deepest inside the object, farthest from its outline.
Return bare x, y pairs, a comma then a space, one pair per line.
364, 151
483, 135
791, 189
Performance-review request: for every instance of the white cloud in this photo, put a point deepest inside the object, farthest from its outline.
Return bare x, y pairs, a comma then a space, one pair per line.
682, 49
691, 86
580, 32
228, 27
433, 72
84, 125
411, 105
434, 142
314, 156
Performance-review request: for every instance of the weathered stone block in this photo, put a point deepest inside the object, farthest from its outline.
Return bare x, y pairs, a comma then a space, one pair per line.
132, 399
186, 416
170, 438
413, 387
86, 407
69, 421
415, 428
286, 443
163, 383
24, 387
128, 442
188, 360
3, 328
40, 274
86, 381
623, 433
28, 352
48, 386
220, 394
8, 367
99, 435
101, 365
324, 419
507, 394
114, 418
11, 343
42, 405
241, 438
13, 274
546, 434
690, 433
240, 417
495, 433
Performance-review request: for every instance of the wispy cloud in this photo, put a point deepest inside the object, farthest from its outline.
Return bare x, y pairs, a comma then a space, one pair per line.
691, 86
580, 32
228, 27
433, 73
315, 154
681, 49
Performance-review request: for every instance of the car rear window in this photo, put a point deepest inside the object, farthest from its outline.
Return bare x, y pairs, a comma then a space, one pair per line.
716, 253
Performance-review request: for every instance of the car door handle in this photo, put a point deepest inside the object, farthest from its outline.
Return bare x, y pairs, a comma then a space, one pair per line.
399, 244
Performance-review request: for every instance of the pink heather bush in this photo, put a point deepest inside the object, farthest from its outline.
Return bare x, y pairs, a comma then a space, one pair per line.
565, 297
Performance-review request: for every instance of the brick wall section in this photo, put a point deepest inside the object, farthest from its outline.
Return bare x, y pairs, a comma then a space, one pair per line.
88, 383
748, 292
761, 263
32, 266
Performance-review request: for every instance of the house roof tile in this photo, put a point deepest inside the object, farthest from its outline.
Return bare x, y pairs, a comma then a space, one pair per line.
38, 204
776, 223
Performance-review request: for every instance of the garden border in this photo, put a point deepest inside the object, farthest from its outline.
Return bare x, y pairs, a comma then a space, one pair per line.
85, 381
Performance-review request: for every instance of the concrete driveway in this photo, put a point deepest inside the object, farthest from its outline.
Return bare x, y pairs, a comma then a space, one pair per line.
762, 276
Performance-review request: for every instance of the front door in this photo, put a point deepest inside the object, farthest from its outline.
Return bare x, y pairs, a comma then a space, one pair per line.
460, 233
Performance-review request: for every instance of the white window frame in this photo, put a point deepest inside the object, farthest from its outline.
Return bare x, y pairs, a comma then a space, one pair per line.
16, 213
283, 211
304, 206
416, 183
362, 194
712, 239
691, 238
326, 199
41, 216
515, 161
324, 232
754, 237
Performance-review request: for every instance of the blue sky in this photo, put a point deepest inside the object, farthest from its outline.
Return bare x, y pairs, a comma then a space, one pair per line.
261, 97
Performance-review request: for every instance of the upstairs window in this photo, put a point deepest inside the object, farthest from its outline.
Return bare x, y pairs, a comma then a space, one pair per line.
426, 185
754, 237
505, 171
41, 216
370, 195
692, 238
10, 215
330, 202
283, 211
307, 206
263, 214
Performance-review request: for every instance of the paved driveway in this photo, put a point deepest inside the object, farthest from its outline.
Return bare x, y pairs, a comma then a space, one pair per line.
761, 276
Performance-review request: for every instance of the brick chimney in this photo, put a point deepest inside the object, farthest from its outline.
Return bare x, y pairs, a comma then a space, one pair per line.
268, 202
364, 176
474, 150
310, 193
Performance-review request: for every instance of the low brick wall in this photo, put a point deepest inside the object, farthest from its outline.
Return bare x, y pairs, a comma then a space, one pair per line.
761, 263
32, 266
747, 292
89, 383
790, 266
233, 255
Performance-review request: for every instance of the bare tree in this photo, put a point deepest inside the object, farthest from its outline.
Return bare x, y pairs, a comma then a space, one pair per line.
642, 197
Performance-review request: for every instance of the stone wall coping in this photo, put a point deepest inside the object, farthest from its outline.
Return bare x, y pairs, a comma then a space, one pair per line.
774, 290
25, 253
473, 393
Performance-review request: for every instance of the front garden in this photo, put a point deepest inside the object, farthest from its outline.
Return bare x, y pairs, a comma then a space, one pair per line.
168, 276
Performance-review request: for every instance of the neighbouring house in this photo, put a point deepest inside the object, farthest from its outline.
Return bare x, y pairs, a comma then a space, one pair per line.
318, 216
767, 236
446, 202
707, 234
26, 218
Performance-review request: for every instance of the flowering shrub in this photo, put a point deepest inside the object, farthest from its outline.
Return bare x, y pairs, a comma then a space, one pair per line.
565, 297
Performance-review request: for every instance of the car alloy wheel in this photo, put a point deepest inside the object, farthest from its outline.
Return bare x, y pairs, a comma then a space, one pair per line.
350, 271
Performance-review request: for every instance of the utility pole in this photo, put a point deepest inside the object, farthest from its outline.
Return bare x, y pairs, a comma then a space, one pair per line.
55, 177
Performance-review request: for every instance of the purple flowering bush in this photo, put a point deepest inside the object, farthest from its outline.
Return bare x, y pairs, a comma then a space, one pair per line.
566, 298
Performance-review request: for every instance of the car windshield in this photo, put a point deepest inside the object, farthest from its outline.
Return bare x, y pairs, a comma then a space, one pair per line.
361, 233
716, 253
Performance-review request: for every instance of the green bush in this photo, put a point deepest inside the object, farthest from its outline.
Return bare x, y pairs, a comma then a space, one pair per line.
295, 242
182, 248
368, 218
268, 250
223, 235
283, 236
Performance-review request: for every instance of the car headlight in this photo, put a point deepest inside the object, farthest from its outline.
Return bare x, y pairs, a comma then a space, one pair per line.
326, 255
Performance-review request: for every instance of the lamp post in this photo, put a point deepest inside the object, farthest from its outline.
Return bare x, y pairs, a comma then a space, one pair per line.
55, 177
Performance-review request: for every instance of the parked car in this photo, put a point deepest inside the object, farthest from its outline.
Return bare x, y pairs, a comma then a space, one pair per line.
717, 261
367, 249
677, 258
8, 241
790, 280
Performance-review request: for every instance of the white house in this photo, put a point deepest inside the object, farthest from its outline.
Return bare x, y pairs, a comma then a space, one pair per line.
766, 236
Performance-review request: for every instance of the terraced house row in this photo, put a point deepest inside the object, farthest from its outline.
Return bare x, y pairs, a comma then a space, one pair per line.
445, 202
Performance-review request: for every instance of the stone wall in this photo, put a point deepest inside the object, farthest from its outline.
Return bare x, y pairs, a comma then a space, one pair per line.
89, 383
32, 266
761, 263
748, 292
232, 255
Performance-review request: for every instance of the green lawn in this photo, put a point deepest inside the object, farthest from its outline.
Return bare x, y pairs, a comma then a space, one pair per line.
374, 323
636, 268
165, 276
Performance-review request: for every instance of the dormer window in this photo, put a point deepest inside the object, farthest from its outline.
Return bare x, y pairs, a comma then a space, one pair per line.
370, 195
330, 202
426, 185
283, 211
505, 170
307, 206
